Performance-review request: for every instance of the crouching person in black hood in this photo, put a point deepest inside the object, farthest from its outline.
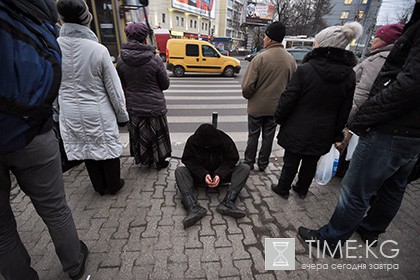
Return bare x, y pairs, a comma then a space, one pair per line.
210, 157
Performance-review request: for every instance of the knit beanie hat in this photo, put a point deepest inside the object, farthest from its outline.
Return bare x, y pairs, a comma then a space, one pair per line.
390, 33
276, 31
136, 31
74, 11
339, 36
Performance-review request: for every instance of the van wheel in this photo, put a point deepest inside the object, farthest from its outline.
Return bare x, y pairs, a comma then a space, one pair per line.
228, 72
178, 71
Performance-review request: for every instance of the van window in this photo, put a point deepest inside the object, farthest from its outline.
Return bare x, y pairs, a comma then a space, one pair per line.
191, 50
208, 51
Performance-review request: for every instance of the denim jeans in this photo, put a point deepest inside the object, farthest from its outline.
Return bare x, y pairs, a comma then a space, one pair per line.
268, 126
380, 166
37, 168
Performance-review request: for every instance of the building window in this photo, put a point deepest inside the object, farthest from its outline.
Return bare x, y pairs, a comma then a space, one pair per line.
344, 15
364, 1
182, 22
163, 18
195, 24
177, 21
361, 14
206, 26
191, 23
348, 2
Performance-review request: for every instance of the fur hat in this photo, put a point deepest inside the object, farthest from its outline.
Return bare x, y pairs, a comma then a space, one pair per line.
136, 31
74, 11
276, 31
390, 33
339, 36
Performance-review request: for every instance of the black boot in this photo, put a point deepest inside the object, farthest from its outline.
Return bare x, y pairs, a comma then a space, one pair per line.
227, 207
194, 211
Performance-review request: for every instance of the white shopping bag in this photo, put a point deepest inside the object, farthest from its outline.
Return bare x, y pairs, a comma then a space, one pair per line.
327, 166
352, 146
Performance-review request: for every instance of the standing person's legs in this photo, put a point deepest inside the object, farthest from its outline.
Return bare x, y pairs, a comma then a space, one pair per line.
96, 173
112, 174
377, 158
37, 168
306, 174
15, 262
268, 132
288, 172
254, 128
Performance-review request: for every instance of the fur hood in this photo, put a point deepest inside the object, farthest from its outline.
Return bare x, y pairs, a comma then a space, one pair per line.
333, 64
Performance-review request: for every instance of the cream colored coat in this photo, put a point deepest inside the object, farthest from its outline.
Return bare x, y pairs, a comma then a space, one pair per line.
266, 78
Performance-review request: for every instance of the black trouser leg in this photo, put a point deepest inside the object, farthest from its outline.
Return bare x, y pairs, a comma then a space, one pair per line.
112, 173
290, 166
184, 180
306, 173
96, 175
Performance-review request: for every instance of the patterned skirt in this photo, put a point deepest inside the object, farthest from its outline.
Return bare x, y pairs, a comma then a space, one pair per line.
149, 139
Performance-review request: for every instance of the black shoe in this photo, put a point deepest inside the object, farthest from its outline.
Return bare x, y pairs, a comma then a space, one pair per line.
162, 164
114, 191
367, 237
85, 252
281, 194
301, 195
195, 212
251, 166
309, 234
228, 207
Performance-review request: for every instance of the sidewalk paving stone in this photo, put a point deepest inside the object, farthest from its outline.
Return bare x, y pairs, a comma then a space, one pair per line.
138, 233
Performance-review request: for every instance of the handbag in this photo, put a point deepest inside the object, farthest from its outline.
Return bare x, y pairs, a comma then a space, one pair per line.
327, 166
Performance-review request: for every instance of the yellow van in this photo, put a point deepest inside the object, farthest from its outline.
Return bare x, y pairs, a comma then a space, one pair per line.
187, 55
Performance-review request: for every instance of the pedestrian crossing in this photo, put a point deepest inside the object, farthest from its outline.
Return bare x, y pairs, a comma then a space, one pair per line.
192, 101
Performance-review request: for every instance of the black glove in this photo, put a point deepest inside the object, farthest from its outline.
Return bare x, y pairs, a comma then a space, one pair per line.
122, 124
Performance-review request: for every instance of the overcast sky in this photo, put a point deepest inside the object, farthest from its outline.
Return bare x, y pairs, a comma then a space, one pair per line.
392, 10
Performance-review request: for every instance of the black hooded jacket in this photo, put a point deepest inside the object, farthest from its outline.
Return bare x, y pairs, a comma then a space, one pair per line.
313, 109
210, 151
394, 103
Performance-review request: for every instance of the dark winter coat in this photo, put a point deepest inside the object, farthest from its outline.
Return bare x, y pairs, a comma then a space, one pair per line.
144, 77
210, 151
394, 106
313, 110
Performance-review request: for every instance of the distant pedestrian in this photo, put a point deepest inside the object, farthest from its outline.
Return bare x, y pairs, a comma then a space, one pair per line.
91, 99
313, 110
144, 79
211, 158
388, 124
29, 83
264, 81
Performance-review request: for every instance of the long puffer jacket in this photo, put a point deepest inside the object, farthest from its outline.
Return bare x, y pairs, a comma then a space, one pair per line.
144, 78
91, 98
313, 110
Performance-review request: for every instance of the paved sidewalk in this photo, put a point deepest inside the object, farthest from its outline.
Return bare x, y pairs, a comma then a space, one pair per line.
138, 233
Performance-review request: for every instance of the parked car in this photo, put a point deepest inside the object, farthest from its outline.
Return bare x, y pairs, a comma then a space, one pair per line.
250, 56
298, 53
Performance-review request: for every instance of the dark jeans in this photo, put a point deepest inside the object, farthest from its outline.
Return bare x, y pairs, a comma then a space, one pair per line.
307, 171
37, 168
256, 125
185, 180
104, 174
380, 166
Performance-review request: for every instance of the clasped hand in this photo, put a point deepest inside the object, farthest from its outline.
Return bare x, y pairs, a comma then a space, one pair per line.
212, 182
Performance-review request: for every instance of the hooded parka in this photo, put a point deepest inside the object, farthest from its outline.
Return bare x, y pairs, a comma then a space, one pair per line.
313, 109
91, 98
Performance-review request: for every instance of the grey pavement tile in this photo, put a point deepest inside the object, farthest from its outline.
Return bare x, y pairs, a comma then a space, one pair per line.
178, 249
161, 270
195, 269
209, 253
239, 252
212, 269
221, 236
177, 270
226, 260
244, 267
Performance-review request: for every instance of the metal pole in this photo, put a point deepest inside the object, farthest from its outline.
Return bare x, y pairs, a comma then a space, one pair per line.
214, 119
